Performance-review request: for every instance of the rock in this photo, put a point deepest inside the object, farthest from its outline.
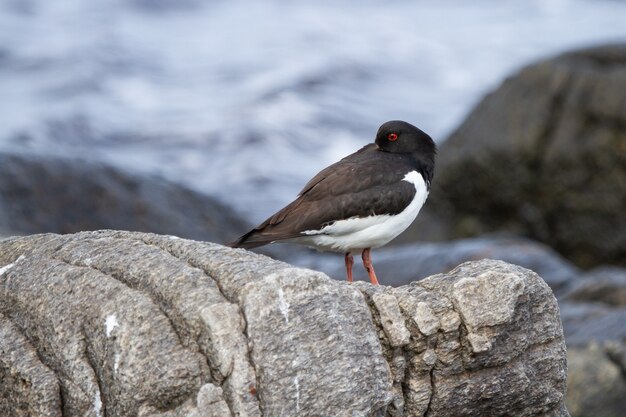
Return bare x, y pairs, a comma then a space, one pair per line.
586, 322
64, 196
124, 324
399, 265
594, 321
617, 353
25, 383
593, 308
605, 284
391, 319
543, 156
595, 384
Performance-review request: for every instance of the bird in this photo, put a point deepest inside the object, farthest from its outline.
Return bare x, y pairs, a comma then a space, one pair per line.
359, 203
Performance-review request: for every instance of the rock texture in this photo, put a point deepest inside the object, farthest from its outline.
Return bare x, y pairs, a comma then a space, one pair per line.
64, 195
123, 324
543, 156
593, 310
596, 381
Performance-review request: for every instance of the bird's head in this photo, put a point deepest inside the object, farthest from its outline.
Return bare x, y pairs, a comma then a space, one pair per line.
401, 137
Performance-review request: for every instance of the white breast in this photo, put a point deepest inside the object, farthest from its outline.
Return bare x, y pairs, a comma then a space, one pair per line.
368, 232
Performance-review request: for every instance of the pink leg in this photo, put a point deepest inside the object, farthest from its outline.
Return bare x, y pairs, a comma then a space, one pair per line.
349, 262
367, 263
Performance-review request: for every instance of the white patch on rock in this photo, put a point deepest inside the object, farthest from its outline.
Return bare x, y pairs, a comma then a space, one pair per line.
479, 342
97, 404
6, 268
489, 299
425, 319
296, 382
283, 305
116, 362
110, 324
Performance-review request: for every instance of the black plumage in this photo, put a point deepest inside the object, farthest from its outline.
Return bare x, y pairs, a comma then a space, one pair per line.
366, 183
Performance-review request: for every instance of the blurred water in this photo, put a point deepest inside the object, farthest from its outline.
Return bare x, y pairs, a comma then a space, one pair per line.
246, 100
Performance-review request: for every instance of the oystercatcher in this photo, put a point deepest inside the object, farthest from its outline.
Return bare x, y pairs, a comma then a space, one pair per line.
361, 202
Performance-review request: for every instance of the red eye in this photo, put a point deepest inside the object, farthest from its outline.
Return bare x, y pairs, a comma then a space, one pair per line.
392, 136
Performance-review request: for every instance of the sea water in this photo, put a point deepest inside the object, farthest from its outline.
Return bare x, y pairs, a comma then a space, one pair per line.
245, 100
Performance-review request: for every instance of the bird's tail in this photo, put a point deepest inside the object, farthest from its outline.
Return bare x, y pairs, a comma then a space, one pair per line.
252, 239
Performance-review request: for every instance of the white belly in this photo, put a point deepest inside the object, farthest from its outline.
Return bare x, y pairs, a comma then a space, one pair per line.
367, 232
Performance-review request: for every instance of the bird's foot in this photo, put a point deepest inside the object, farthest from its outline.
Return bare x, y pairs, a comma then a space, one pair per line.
367, 263
349, 262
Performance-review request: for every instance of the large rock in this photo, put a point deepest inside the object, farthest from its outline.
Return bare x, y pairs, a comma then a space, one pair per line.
66, 195
402, 264
596, 383
604, 284
593, 310
124, 324
542, 156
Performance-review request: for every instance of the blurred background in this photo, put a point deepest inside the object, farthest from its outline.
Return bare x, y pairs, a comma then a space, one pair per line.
202, 118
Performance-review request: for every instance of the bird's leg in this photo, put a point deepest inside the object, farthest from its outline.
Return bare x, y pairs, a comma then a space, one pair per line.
349, 262
367, 263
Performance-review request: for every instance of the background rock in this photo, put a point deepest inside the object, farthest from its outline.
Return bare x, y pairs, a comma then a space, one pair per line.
605, 284
596, 384
138, 324
67, 195
402, 264
593, 311
593, 308
543, 156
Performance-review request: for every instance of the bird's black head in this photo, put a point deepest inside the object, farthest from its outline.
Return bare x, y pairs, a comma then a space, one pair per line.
401, 137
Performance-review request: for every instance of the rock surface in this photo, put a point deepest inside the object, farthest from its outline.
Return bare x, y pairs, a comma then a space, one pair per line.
64, 196
605, 284
596, 382
543, 156
120, 324
593, 310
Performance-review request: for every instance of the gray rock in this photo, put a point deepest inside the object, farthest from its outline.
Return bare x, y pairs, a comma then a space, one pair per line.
592, 322
543, 156
593, 308
606, 285
64, 195
595, 383
27, 387
399, 265
617, 353
125, 324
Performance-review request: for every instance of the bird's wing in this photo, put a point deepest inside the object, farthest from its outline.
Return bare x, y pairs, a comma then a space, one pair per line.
347, 163
330, 196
